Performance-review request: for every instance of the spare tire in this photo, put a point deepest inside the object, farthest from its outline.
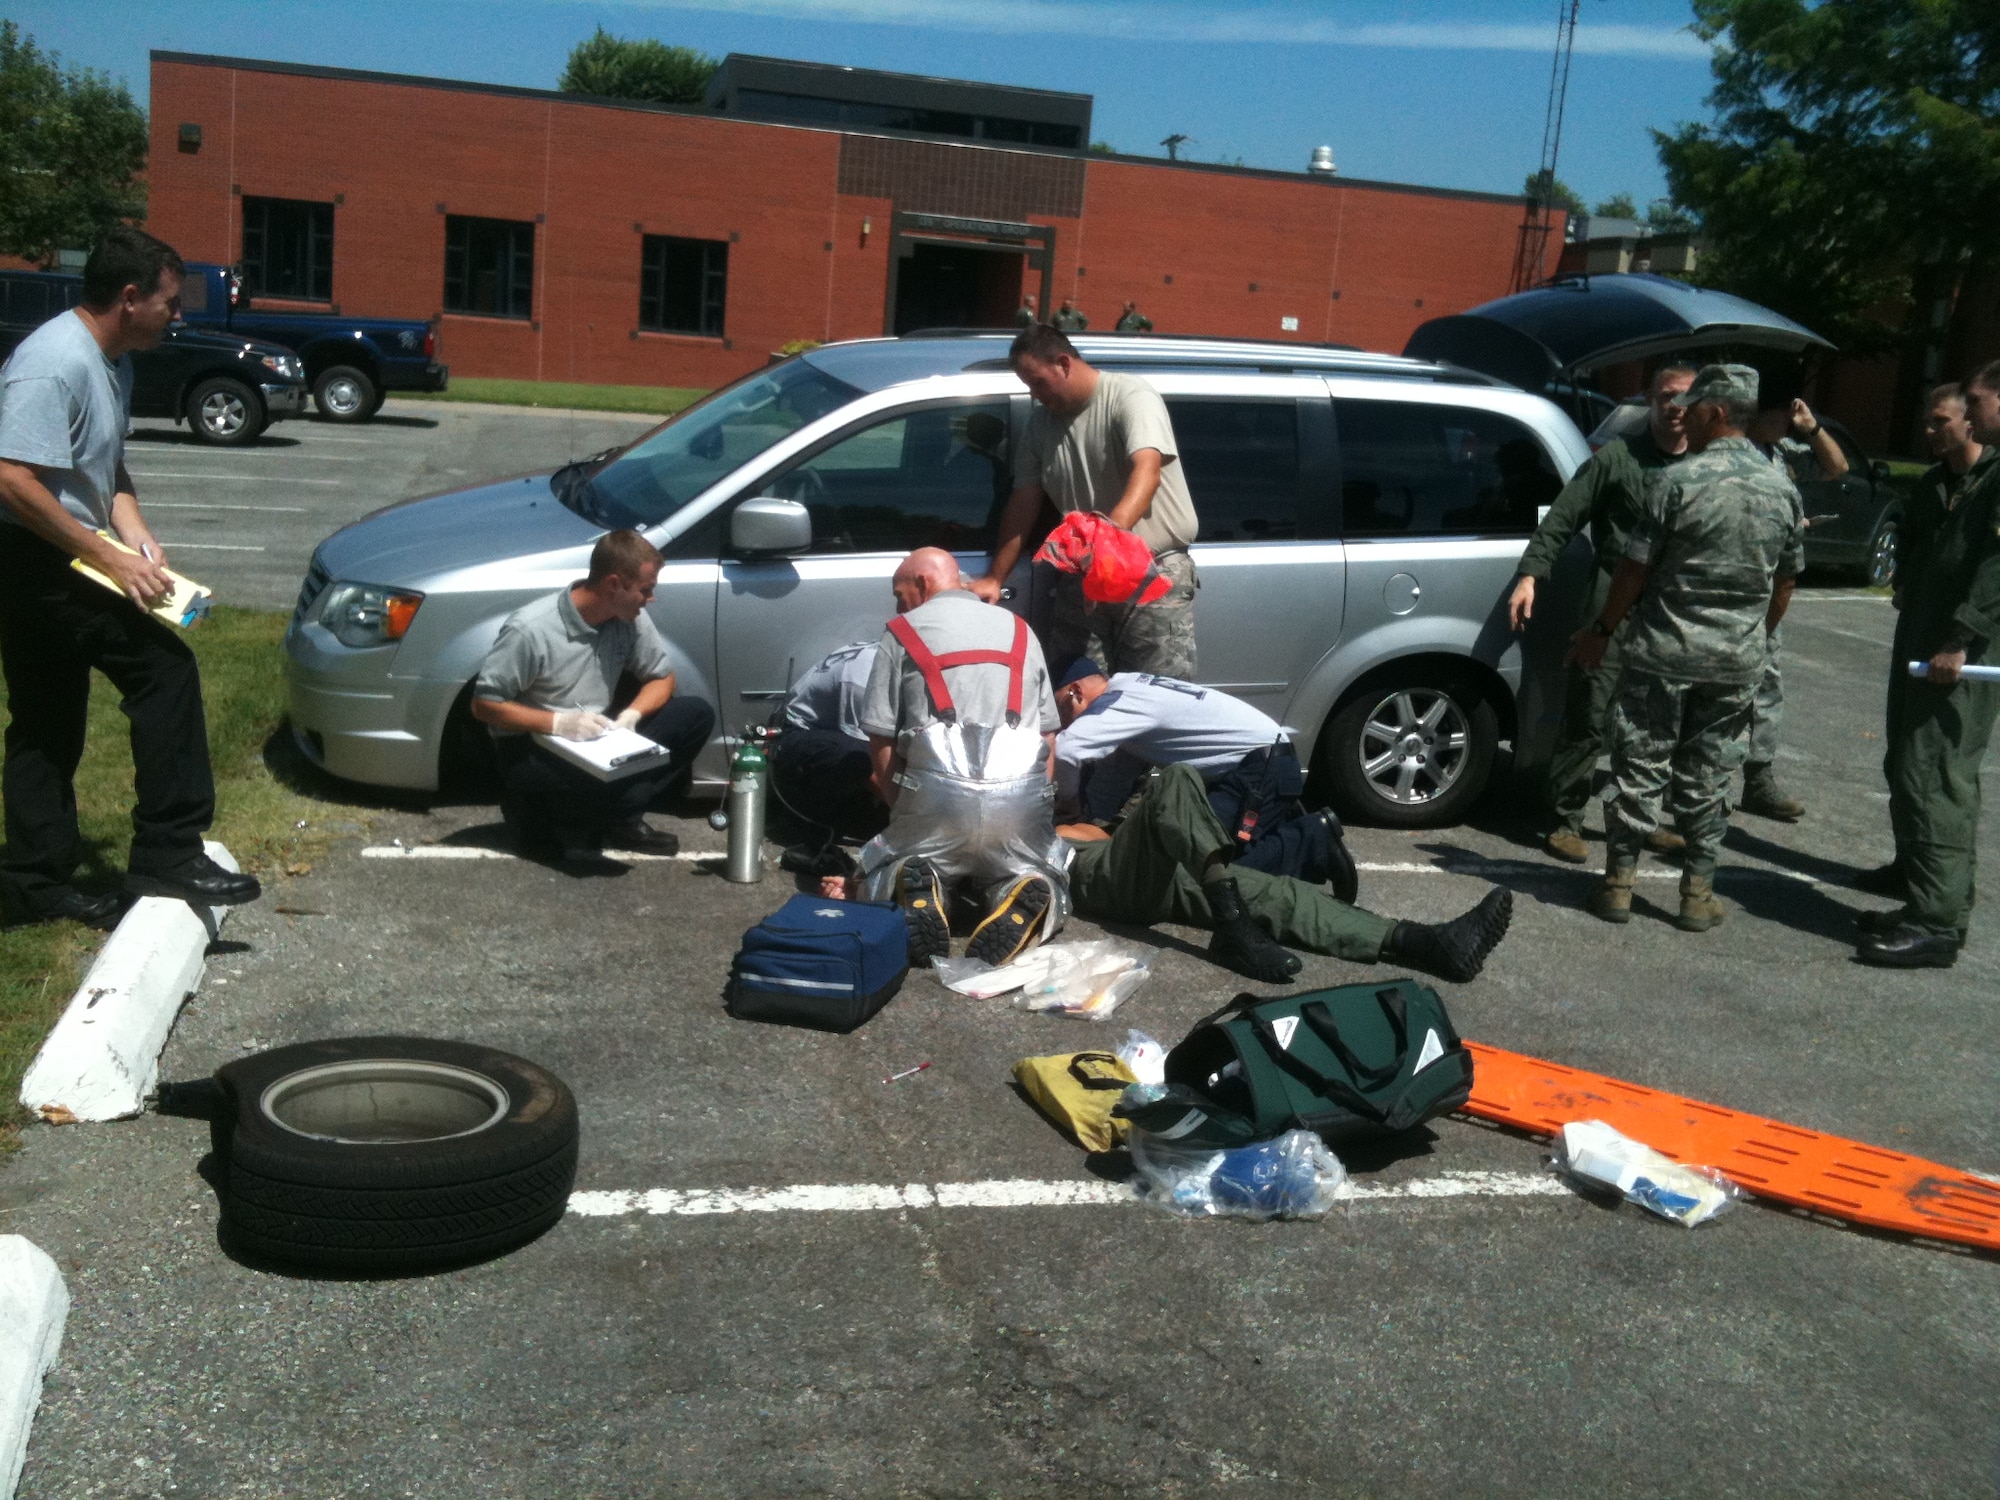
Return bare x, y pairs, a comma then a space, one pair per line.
389, 1154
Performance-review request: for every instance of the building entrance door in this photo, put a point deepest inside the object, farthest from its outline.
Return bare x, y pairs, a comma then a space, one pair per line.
958, 286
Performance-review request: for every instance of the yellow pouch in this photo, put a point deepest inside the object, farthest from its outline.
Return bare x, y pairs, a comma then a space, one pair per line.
1076, 1091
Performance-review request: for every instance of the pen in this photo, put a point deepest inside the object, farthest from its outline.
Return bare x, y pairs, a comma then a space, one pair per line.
906, 1073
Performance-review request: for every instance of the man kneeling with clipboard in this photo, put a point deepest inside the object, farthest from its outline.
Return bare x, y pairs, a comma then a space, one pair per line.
575, 780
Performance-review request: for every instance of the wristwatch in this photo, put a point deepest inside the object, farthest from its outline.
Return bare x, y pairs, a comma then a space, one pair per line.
1814, 433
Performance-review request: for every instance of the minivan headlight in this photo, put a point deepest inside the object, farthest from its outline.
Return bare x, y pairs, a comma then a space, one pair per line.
366, 614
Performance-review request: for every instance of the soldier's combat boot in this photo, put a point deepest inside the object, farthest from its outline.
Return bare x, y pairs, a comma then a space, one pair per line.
1700, 910
1766, 799
1612, 900
1666, 841
1239, 943
1567, 844
1456, 950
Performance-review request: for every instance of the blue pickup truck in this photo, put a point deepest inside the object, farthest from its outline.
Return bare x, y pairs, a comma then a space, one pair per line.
351, 363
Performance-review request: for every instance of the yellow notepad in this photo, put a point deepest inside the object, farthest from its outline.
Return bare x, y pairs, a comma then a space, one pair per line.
187, 605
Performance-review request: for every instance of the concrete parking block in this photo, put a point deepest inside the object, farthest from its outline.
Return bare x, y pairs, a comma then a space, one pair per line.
34, 1304
103, 1056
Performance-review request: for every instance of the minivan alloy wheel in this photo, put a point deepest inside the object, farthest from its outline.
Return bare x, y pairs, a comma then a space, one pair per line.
1413, 745
1880, 567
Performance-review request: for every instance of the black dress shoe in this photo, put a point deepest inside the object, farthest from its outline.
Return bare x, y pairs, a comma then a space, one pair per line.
102, 910
640, 837
1909, 948
1883, 880
199, 881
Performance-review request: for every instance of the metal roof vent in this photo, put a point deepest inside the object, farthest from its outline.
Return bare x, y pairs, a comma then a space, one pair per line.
1322, 162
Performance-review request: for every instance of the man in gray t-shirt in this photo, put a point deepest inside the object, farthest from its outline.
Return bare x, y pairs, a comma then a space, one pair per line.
1101, 441
65, 400
556, 670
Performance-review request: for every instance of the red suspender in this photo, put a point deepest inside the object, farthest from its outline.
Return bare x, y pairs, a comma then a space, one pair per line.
933, 666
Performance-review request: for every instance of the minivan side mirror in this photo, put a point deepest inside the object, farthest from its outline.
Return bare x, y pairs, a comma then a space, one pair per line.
767, 524
1883, 473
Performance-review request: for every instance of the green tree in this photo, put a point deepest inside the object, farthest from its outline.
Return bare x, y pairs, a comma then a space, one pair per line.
72, 151
1853, 162
1664, 216
1544, 187
614, 68
1617, 206
1103, 148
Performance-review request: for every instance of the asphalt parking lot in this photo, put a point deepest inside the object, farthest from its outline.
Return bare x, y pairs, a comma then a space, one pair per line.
245, 521
1466, 1327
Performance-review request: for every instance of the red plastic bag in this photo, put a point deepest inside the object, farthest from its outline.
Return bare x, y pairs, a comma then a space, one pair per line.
1117, 567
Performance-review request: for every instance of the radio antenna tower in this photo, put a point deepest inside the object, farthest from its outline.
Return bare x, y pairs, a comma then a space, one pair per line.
1533, 243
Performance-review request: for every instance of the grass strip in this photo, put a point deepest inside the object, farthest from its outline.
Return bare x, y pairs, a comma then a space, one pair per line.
273, 811
658, 400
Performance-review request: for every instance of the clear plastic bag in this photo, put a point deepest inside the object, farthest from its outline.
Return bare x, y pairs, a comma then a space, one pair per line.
1292, 1176
1594, 1153
1145, 1057
1088, 979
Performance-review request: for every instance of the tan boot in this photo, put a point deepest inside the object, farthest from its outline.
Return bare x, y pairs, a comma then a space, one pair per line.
1666, 841
1567, 844
1700, 910
1612, 901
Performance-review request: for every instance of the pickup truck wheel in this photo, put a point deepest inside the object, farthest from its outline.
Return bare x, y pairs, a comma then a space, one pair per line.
225, 411
390, 1155
345, 394
1410, 754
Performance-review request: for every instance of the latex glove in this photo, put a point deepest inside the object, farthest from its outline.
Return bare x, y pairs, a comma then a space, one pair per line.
628, 719
579, 724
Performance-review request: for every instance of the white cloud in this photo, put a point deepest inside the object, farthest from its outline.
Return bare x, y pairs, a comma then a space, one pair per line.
1185, 23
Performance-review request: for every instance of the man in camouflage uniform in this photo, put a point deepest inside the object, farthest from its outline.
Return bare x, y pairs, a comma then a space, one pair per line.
1710, 566
1605, 496
1948, 603
1797, 444
1069, 318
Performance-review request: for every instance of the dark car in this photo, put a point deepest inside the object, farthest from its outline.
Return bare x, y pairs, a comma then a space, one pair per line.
351, 363
227, 388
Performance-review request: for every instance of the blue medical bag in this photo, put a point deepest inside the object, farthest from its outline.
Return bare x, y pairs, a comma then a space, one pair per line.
820, 963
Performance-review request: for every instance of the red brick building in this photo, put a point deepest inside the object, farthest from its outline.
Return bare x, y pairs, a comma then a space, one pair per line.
561, 238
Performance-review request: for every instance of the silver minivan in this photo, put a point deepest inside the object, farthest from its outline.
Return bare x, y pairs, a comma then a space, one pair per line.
1362, 517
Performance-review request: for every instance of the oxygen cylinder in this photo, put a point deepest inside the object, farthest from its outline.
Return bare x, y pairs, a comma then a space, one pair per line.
749, 776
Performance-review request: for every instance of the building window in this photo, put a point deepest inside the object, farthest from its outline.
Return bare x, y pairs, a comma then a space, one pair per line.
489, 267
683, 285
288, 248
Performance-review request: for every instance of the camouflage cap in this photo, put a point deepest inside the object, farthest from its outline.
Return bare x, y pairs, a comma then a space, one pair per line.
1721, 383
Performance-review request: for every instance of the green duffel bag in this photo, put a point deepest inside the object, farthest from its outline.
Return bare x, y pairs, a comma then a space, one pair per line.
1358, 1062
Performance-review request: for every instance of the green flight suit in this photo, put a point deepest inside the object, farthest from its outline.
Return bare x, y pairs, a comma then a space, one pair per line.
1948, 582
1150, 871
1070, 320
1134, 322
1605, 495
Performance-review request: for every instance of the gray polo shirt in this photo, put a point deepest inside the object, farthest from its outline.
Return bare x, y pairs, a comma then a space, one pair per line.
65, 409
897, 704
547, 657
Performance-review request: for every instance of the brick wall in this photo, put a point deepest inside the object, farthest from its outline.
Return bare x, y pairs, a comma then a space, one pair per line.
1353, 263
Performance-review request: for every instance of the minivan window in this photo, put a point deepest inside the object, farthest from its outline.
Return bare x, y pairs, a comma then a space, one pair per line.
671, 465
1413, 469
935, 477
1241, 459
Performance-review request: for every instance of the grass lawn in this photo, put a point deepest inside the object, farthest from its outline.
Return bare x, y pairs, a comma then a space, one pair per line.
661, 400
258, 816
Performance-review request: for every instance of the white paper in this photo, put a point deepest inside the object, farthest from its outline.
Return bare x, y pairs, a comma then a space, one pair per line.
613, 754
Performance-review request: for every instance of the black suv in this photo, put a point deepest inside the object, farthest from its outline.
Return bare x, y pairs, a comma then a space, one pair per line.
225, 387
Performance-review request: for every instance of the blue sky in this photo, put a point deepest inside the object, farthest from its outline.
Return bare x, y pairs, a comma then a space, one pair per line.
1448, 93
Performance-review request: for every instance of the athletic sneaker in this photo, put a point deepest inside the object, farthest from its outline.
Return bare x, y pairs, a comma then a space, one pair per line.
920, 893
1016, 921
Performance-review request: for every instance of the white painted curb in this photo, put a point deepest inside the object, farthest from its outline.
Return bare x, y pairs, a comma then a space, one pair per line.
33, 1306
103, 1057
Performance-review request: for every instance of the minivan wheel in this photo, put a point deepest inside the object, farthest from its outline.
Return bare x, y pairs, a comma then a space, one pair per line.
1414, 754
389, 1154
224, 412
1879, 567
345, 394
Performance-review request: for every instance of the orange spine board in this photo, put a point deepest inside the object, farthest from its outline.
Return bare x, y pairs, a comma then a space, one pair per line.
1805, 1168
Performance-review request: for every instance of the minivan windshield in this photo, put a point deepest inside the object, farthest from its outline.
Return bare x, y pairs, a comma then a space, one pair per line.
663, 471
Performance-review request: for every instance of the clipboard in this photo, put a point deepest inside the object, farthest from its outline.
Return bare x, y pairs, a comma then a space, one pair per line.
612, 756
186, 607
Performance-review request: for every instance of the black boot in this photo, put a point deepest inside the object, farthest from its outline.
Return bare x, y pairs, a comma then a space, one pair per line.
1240, 944
1454, 950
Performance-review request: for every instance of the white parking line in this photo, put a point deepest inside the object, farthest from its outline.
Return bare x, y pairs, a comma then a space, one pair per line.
271, 479
466, 851
869, 1197
209, 547
1491, 867
275, 510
